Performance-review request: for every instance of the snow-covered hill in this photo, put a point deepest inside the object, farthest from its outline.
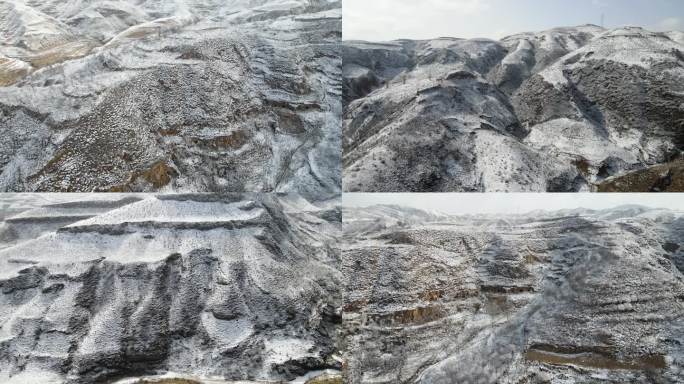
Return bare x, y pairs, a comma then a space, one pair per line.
571, 296
569, 109
233, 287
173, 95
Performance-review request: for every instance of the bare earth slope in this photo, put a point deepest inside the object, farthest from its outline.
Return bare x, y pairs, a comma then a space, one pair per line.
181, 95
233, 287
567, 297
561, 110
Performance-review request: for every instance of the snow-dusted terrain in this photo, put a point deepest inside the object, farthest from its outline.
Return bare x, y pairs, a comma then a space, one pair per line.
572, 296
97, 288
170, 95
568, 109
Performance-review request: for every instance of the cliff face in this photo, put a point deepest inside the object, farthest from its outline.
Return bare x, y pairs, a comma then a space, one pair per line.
573, 296
187, 95
242, 287
567, 109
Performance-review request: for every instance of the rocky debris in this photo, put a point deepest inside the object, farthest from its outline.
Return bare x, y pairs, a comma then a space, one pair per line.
548, 297
185, 96
559, 110
237, 287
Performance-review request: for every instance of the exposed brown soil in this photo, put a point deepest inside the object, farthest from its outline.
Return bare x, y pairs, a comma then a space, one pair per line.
9, 76
412, 316
659, 178
69, 51
326, 379
167, 381
234, 140
159, 175
596, 360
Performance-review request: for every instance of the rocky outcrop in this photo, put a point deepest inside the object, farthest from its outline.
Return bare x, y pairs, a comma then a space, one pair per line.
569, 296
238, 287
559, 110
186, 96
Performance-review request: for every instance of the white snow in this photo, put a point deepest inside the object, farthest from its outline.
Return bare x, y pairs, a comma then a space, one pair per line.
30, 26
280, 350
554, 76
229, 332
523, 49
507, 165
69, 250
577, 137
173, 211
31, 377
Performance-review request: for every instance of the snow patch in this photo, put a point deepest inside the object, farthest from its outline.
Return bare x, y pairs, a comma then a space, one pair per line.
577, 137
285, 349
229, 332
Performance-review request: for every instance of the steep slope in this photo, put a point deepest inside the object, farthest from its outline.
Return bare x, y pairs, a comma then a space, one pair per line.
530, 53
575, 296
236, 287
561, 110
167, 95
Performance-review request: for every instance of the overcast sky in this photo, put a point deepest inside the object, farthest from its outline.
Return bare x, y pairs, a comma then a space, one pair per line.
466, 203
382, 20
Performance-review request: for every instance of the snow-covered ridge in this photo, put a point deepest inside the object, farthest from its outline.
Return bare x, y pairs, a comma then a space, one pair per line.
169, 211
